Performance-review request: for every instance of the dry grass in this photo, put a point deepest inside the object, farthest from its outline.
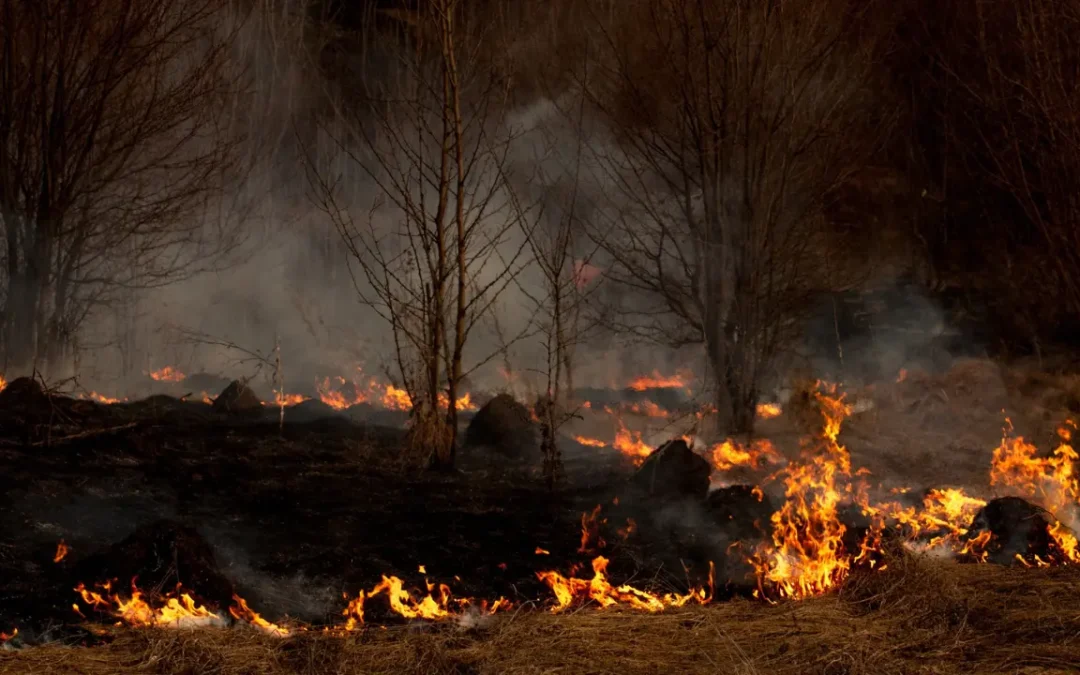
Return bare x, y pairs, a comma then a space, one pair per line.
915, 616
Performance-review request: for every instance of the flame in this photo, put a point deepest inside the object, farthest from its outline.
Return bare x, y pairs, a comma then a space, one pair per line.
542, 551
386, 395
286, 400
101, 398
658, 381
730, 454
768, 411
1050, 482
630, 444
179, 608
167, 374
61, 551
901, 376
806, 556
590, 442
590, 530
599, 590
4, 637
646, 408
241, 612
3, 384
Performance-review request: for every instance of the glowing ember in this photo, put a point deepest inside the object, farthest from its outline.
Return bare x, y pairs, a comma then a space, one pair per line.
4, 637
646, 408
768, 411
61, 551
167, 374
3, 383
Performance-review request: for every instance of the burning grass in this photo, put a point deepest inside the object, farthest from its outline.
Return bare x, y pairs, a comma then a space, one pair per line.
916, 615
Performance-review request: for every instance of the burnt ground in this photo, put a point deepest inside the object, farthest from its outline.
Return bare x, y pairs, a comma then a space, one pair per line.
294, 519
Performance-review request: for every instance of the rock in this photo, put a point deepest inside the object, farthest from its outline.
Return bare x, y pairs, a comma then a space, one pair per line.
1016, 527
160, 555
743, 512
237, 397
504, 426
674, 471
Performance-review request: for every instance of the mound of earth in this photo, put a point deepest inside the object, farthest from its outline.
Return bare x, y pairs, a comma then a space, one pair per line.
1018, 529
504, 426
237, 397
674, 471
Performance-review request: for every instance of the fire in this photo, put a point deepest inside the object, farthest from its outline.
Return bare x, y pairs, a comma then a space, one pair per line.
241, 612
3, 383
630, 444
178, 611
61, 551
4, 637
942, 520
286, 400
646, 408
101, 398
658, 381
590, 530
730, 454
1051, 482
590, 442
167, 374
599, 590
768, 411
806, 556
396, 399
388, 396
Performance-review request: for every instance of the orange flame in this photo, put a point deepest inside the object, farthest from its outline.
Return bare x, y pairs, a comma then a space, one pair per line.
61, 551
590, 442
241, 612
167, 374
599, 590
1051, 482
4, 637
658, 381
630, 444
179, 609
806, 555
768, 411
730, 454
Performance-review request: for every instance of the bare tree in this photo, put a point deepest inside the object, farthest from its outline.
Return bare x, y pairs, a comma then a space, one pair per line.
116, 147
1012, 119
434, 250
733, 123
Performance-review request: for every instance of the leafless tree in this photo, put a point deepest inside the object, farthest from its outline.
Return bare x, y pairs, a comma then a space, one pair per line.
1014, 123
437, 246
733, 122
117, 144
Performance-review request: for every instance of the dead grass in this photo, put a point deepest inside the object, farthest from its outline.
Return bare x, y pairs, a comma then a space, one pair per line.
915, 616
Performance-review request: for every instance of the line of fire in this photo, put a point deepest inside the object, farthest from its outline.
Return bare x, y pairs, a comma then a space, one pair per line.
539, 336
